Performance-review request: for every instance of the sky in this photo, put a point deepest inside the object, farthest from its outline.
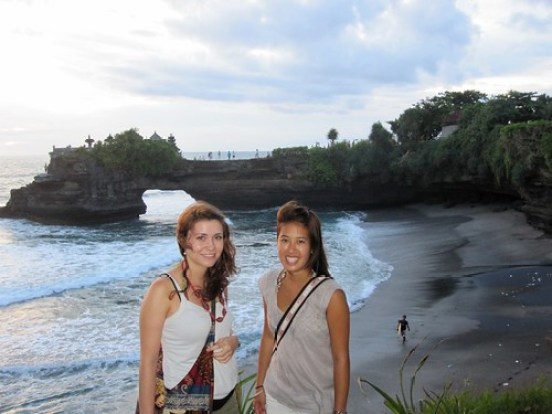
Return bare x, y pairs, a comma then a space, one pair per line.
252, 74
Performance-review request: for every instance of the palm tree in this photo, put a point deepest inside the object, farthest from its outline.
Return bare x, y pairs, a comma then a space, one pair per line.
332, 135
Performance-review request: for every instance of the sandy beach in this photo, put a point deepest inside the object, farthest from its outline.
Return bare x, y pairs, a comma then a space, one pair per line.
476, 285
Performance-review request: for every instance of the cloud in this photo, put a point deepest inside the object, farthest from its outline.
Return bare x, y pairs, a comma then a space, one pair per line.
280, 71
299, 52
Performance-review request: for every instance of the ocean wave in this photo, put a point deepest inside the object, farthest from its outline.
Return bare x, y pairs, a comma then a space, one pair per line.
66, 265
58, 369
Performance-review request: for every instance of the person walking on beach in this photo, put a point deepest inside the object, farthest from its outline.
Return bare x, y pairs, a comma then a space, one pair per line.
402, 326
303, 364
185, 323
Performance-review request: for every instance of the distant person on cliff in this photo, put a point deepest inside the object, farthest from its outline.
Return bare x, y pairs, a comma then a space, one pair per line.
402, 326
303, 364
185, 314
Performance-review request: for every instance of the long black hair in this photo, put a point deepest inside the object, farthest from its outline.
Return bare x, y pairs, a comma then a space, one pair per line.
293, 212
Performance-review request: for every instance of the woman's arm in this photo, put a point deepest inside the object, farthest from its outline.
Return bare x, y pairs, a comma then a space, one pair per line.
153, 313
224, 348
339, 324
265, 354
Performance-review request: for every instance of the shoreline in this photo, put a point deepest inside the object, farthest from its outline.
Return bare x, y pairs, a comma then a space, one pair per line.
465, 278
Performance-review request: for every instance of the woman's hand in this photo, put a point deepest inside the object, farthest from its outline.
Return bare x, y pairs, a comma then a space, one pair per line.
259, 403
224, 348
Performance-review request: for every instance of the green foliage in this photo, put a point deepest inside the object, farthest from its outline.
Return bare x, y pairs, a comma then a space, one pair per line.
332, 135
517, 107
518, 153
445, 158
546, 148
129, 152
301, 152
497, 141
409, 126
505, 140
364, 159
339, 156
536, 399
488, 146
245, 389
425, 119
343, 162
321, 168
374, 159
330, 165
381, 138
404, 404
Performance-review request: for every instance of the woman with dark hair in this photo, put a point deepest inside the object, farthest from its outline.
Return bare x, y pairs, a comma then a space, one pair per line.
185, 315
303, 364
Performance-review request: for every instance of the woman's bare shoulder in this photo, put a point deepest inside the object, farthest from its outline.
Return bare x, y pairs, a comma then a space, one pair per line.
161, 286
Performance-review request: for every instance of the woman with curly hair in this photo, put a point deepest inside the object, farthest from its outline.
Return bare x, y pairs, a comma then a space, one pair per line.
185, 314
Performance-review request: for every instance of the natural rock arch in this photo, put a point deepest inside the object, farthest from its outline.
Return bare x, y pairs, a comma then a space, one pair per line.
75, 191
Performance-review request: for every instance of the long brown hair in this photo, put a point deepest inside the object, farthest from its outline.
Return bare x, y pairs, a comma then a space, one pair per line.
293, 212
217, 275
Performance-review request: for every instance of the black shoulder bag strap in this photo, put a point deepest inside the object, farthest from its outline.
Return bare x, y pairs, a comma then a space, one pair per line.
296, 305
177, 290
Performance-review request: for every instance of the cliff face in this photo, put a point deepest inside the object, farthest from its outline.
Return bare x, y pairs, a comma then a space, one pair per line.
75, 191
537, 201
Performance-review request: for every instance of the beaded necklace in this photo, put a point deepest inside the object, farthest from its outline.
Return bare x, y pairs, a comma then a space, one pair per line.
280, 279
198, 293
282, 275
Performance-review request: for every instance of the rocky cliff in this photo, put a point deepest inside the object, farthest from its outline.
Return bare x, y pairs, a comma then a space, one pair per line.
77, 191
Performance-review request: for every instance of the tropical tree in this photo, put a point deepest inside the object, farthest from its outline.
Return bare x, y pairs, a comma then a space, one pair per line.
381, 138
128, 151
332, 135
424, 120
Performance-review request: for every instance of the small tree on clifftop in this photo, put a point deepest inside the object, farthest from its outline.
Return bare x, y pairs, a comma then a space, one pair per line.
332, 135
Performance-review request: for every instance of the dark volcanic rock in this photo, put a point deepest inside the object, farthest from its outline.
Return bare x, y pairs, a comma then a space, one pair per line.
76, 191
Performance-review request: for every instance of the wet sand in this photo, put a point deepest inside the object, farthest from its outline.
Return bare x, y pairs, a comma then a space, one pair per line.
476, 285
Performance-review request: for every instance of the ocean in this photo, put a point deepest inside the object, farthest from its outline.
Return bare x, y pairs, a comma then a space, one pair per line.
70, 295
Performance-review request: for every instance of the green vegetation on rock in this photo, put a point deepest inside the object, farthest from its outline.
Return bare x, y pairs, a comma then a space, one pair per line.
128, 151
505, 140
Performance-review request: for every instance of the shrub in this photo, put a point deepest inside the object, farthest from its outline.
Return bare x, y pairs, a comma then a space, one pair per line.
536, 399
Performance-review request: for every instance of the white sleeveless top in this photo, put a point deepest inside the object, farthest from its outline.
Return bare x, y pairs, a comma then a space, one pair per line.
183, 337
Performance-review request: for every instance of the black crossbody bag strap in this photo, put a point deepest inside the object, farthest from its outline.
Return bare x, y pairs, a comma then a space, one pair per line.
285, 321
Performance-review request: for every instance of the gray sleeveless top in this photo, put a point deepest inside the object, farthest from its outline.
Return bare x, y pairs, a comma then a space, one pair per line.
300, 374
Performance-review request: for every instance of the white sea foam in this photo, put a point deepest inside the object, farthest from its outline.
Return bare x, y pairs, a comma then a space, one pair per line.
70, 296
